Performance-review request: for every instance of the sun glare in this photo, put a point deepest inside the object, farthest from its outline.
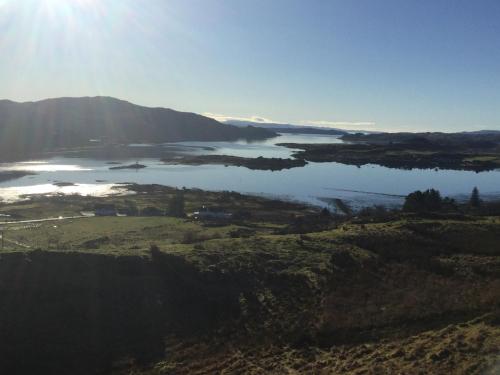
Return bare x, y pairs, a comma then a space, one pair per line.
67, 2
67, 7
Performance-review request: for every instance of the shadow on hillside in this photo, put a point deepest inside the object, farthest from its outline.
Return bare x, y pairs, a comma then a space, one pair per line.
80, 313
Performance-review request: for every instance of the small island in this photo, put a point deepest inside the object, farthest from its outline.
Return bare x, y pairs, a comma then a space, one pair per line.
130, 166
63, 184
260, 163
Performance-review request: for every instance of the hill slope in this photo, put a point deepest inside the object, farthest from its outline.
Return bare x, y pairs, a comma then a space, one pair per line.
47, 125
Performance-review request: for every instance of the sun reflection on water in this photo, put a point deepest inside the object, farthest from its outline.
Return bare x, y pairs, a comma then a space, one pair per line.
16, 193
41, 166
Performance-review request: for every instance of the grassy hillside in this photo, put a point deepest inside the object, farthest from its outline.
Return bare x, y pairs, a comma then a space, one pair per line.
256, 295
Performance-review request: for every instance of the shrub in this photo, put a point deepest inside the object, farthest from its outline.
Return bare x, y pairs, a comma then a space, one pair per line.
426, 201
154, 251
475, 201
189, 237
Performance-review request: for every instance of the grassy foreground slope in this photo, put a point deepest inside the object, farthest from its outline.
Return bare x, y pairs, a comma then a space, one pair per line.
257, 295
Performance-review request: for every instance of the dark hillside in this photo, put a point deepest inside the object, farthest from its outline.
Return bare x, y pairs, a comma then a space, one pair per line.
48, 125
81, 312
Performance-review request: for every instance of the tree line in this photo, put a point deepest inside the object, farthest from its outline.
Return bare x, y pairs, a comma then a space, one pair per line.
431, 200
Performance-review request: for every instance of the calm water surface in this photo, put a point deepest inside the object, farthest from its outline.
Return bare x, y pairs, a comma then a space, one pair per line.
316, 183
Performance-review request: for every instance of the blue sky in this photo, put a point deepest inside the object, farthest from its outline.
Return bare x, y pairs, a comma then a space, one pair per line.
371, 64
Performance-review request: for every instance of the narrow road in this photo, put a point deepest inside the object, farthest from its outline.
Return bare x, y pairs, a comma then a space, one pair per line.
44, 220
3, 227
17, 243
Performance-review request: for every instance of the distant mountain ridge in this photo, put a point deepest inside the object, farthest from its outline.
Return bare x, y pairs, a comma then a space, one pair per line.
52, 124
288, 128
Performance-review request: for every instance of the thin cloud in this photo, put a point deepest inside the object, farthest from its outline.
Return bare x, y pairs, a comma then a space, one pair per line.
354, 125
348, 125
225, 118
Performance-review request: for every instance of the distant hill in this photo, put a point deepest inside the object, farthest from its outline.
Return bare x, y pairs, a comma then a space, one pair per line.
33, 127
288, 128
476, 139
